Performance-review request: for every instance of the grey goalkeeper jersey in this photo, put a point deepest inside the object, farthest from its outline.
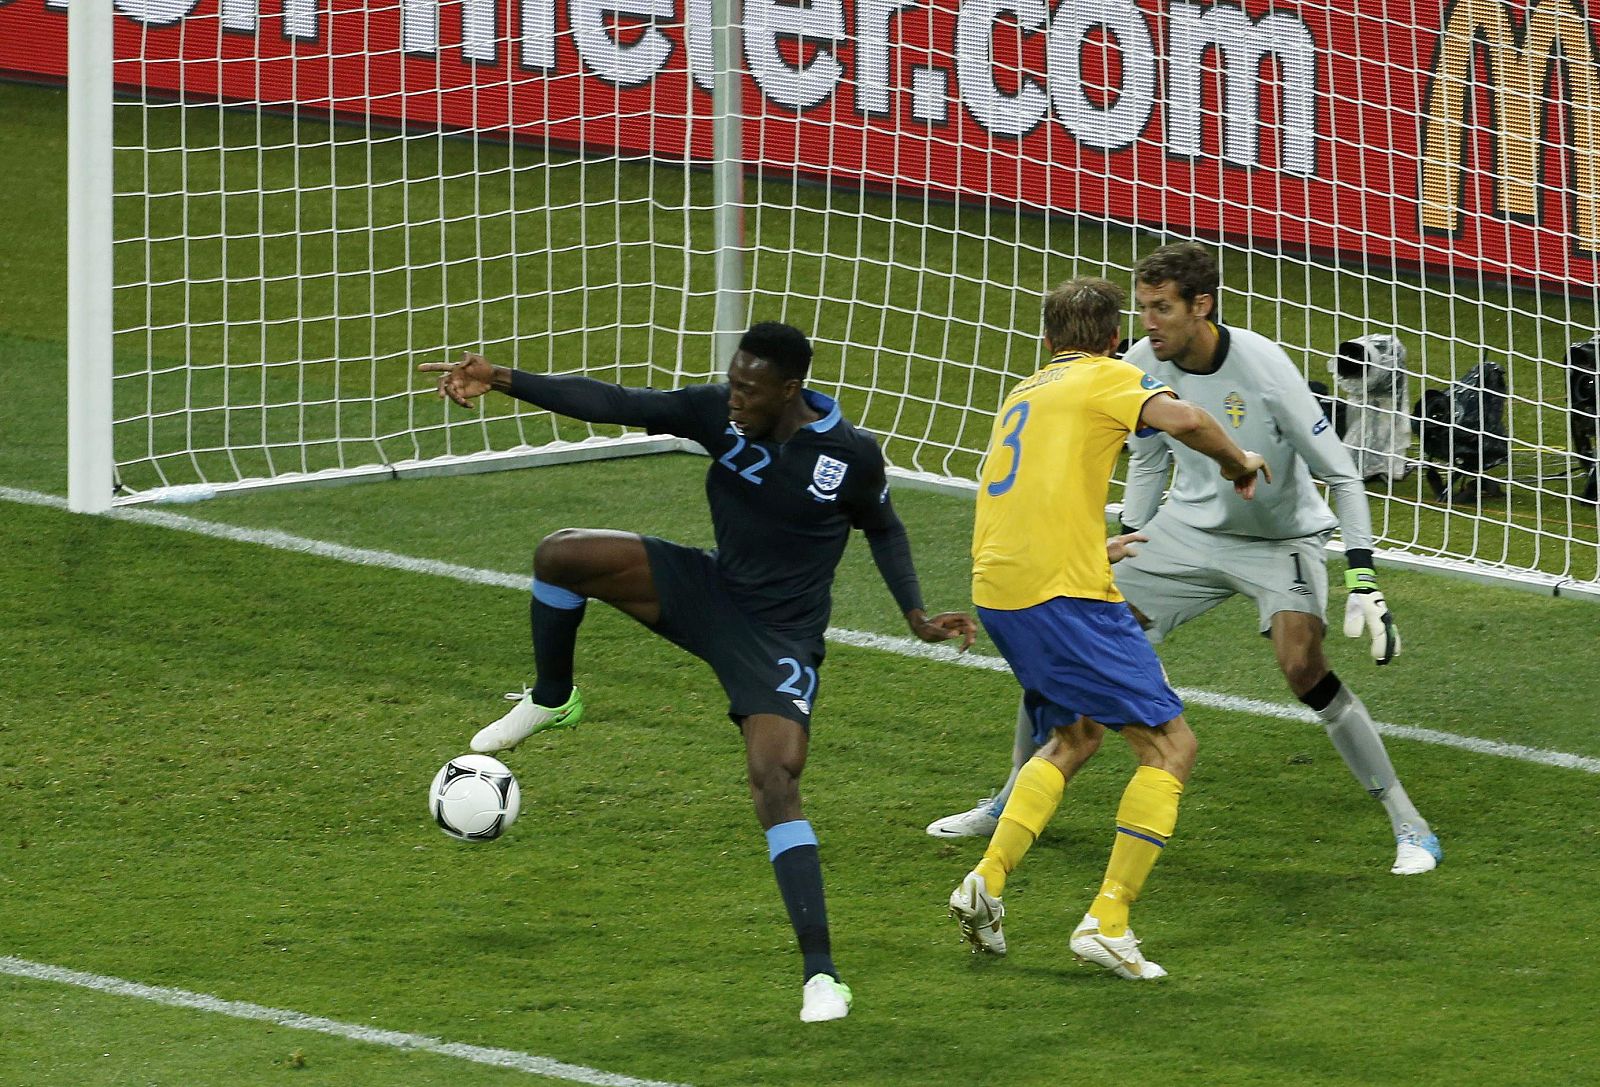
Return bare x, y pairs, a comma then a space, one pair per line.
1263, 403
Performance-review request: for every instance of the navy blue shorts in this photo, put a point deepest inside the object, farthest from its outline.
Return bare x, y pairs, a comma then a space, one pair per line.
1082, 657
761, 670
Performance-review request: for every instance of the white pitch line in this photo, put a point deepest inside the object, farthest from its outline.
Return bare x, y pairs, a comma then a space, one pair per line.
1196, 696
283, 541
283, 1017
903, 646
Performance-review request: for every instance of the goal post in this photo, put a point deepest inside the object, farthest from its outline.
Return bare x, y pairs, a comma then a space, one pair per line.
90, 476
312, 196
727, 160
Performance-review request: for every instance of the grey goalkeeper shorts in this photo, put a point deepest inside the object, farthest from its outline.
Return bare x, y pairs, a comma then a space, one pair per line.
1184, 572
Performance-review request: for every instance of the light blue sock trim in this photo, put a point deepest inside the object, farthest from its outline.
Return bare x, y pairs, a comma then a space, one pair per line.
785, 836
557, 597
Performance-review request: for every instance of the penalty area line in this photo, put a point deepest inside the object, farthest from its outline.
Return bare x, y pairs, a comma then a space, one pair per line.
283, 1017
903, 646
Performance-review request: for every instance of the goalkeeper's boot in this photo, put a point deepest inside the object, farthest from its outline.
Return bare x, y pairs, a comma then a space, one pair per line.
1415, 853
977, 823
526, 718
1119, 954
979, 913
824, 998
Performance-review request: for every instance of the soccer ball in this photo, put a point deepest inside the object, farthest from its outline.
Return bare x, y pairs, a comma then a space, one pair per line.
474, 798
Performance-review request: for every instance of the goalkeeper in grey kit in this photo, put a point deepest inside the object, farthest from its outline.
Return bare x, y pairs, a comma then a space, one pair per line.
1202, 545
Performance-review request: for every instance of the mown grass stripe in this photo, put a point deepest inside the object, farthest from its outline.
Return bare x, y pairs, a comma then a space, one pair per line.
906, 647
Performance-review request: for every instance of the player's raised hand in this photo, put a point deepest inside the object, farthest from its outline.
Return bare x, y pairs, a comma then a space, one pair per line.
1367, 612
1244, 484
462, 381
943, 627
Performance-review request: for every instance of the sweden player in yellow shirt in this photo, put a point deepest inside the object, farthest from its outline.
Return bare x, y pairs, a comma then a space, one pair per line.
1041, 580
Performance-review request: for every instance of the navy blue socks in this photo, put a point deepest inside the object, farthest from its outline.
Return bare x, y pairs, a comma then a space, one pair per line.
555, 615
792, 847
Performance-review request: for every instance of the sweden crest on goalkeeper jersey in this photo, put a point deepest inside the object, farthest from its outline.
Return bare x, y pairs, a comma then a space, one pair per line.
1233, 408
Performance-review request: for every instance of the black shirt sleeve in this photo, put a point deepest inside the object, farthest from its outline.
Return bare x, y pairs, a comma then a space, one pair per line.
891, 550
868, 494
873, 513
684, 412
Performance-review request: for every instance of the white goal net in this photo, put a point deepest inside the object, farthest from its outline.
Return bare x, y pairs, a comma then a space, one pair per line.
313, 196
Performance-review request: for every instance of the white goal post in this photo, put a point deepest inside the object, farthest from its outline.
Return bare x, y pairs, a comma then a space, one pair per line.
287, 204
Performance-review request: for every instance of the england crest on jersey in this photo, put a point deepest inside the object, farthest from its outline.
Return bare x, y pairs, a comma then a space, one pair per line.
826, 477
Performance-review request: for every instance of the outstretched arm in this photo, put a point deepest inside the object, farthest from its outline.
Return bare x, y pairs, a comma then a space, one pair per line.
1194, 427
1149, 470
891, 550
575, 397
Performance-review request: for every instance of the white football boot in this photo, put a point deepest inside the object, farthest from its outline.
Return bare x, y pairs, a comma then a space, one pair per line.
1119, 954
526, 718
979, 914
977, 823
823, 999
1415, 853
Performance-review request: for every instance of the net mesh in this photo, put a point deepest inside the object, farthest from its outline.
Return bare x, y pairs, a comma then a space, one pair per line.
313, 198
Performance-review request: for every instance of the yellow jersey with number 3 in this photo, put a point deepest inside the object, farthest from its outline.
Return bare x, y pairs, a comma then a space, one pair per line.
1040, 530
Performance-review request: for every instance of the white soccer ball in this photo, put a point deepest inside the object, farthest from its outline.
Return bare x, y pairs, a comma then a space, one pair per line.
474, 798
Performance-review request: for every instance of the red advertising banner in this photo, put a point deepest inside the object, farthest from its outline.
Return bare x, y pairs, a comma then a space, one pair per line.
1379, 129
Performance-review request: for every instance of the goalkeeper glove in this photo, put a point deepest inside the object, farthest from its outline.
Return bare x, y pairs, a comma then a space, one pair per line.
1366, 612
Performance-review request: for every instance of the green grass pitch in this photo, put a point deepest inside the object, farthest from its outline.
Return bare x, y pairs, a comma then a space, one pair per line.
214, 755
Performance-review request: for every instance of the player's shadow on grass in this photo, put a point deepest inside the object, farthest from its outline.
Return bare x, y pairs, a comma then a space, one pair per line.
1273, 886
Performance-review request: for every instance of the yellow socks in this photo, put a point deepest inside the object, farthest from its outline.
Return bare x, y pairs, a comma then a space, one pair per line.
1145, 820
1034, 800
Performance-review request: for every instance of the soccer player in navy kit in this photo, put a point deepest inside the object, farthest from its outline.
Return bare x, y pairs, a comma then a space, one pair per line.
789, 478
